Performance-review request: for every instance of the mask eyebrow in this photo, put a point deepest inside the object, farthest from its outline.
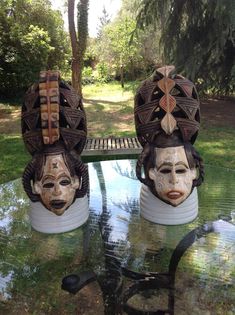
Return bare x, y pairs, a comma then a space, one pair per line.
181, 163
48, 177
165, 164
64, 175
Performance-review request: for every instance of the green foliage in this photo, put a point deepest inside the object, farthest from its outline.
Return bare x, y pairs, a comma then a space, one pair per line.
100, 75
90, 56
197, 36
32, 39
103, 72
118, 36
121, 49
87, 76
87, 71
115, 49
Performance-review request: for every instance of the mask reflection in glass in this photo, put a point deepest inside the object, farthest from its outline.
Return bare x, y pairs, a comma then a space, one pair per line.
172, 175
56, 187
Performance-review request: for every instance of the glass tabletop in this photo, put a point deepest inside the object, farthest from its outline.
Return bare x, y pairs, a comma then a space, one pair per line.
134, 266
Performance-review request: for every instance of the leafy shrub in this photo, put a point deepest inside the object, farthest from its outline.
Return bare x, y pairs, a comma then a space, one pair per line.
87, 76
103, 72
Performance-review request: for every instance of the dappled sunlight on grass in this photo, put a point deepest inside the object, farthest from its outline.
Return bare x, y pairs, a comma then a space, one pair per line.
9, 113
110, 113
112, 92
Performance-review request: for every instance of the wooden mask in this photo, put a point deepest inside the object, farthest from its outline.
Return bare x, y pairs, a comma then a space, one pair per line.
57, 187
172, 176
170, 168
167, 117
54, 131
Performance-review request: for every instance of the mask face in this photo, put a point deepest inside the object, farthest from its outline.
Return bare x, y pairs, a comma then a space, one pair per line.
56, 188
172, 176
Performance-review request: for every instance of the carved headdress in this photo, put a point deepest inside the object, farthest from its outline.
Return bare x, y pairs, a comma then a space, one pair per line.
52, 111
164, 103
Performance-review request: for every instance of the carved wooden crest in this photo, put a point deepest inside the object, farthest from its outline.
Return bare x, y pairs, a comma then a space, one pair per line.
50, 107
164, 103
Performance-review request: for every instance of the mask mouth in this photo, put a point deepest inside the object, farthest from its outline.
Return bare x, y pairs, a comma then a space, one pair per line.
174, 194
57, 204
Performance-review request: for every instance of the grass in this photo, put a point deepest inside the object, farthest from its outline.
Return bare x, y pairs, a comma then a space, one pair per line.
109, 110
13, 157
217, 146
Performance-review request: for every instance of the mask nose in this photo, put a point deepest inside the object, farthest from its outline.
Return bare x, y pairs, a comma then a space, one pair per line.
173, 177
56, 190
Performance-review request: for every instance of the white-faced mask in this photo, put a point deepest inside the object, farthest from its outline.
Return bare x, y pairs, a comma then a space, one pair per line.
172, 175
56, 188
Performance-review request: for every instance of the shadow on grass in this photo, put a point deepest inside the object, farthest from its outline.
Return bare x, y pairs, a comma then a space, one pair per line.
14, 101
110, 119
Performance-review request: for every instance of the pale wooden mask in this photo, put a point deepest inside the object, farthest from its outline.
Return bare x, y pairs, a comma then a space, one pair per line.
57, 187
172, 176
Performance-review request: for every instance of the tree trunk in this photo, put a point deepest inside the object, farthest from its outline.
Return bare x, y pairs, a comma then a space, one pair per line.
132, 70
122, 76
74, 45
78, 41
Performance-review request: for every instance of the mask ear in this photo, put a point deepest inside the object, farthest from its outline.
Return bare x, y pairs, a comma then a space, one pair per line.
194, 173
36, 188
76, 182
152, 174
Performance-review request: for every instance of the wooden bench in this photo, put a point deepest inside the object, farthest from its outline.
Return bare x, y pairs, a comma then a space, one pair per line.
111, 146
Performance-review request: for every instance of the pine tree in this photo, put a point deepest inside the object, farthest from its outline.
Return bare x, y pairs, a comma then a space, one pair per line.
197, 36
103, 21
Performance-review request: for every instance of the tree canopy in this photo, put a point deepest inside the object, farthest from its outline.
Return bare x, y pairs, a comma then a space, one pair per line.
112, 49
32, 38
197, 36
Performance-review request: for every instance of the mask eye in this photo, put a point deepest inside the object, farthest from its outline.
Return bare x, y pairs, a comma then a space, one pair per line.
180, 171
165, 171
65, 182
48, 185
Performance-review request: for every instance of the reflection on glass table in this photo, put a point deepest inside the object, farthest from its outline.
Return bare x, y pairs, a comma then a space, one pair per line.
121, 250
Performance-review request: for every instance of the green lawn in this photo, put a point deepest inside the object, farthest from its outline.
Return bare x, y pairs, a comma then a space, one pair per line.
14, 157
217, 146
109, 110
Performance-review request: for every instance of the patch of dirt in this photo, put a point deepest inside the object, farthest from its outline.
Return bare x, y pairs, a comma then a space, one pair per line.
10, 121
217, 112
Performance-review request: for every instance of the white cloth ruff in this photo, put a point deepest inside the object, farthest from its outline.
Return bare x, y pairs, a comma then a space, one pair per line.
157, 211
45, 221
